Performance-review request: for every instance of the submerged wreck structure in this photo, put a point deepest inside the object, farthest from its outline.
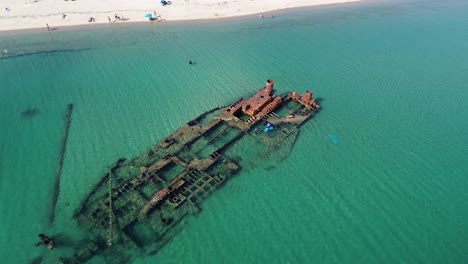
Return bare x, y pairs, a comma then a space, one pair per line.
139, 203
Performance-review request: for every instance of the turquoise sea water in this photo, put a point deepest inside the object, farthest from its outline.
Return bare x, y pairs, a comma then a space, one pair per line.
380, 175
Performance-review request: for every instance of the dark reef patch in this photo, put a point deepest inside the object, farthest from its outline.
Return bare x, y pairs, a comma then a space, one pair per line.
30, 112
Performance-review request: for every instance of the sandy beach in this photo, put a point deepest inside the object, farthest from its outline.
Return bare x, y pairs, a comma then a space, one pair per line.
28, 14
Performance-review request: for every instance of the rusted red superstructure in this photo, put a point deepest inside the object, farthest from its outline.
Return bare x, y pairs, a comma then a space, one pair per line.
263, 103
305, 99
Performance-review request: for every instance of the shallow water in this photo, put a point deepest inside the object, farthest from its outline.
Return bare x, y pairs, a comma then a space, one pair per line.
389, 184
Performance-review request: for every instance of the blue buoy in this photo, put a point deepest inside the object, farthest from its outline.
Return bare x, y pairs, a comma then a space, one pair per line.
333, 138
268, 127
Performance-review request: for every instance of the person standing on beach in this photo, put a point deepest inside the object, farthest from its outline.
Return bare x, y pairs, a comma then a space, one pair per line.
48, 28
110, 21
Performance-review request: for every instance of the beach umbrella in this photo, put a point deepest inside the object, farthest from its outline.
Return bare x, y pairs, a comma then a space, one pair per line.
148, 15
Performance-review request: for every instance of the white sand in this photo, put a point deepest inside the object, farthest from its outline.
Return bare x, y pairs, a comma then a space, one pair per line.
25, 14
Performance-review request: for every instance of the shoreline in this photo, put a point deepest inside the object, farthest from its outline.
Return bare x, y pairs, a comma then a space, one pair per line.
175, 13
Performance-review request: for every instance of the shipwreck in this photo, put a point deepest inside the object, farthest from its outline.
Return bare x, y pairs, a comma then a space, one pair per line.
138, 203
